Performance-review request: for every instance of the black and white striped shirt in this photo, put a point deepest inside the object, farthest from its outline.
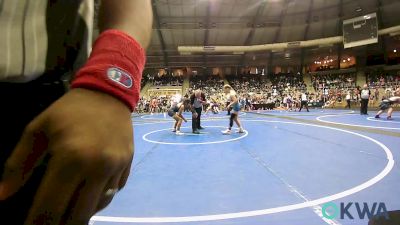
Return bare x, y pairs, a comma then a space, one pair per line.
43, 36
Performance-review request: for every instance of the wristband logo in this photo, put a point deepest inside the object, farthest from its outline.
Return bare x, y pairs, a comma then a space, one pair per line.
120, 77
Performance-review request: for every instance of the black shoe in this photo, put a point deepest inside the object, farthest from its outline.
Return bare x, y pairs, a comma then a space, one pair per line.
377, 117
196, 132
201, 128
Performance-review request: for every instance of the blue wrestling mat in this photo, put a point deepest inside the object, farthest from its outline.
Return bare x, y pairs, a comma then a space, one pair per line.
279, 172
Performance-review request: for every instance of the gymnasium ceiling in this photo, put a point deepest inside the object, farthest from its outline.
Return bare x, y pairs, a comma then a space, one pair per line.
251, 22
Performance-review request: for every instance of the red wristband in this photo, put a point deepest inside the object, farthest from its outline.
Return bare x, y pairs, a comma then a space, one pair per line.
114, 67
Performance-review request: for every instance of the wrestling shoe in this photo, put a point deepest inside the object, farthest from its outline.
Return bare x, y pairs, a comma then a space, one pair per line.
226, 132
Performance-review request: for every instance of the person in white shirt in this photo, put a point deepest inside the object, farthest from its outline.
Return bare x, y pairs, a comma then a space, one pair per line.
348, 100
304, 101
365, 93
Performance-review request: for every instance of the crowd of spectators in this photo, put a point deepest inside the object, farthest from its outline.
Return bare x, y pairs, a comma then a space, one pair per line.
154, 104
166, 80
253, 85
283, 82
212, 86
253, 89
280, 90
332, 81
259, 90
381, 79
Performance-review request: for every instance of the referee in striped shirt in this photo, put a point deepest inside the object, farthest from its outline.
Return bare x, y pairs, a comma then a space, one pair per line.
64, 155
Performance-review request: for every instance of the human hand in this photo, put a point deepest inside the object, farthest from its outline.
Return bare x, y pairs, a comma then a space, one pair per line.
89, 138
